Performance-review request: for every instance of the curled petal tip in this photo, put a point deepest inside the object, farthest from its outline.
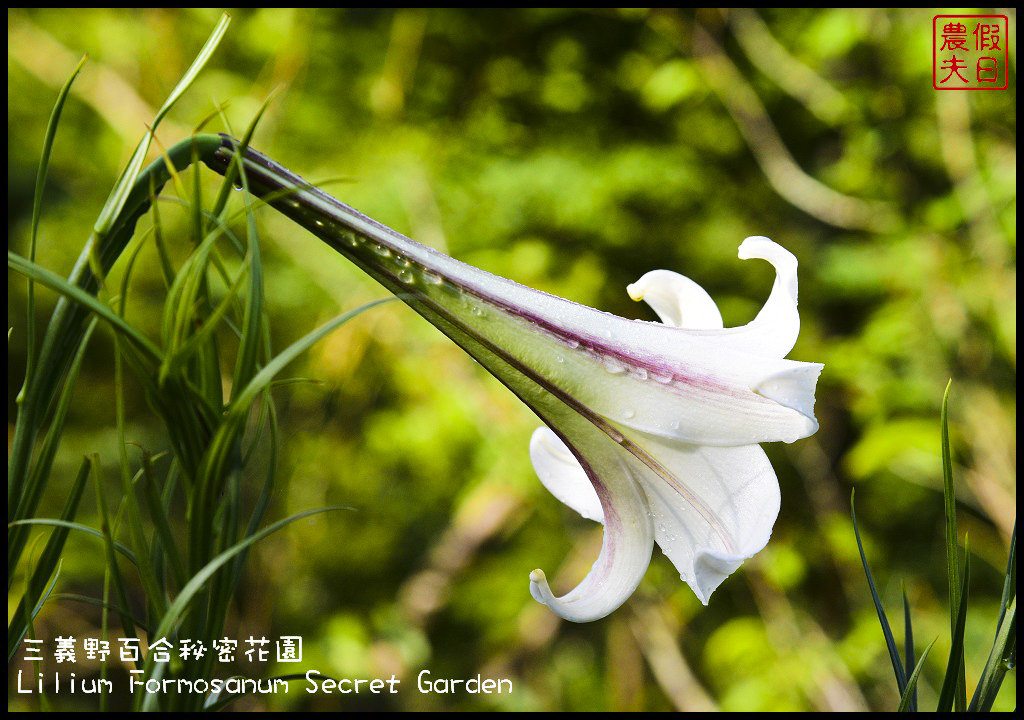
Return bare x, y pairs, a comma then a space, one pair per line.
539, 587
775, 329
678, 300
710, 570
758, 246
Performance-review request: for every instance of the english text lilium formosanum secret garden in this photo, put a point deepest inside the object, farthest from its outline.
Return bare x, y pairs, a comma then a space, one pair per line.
651, 428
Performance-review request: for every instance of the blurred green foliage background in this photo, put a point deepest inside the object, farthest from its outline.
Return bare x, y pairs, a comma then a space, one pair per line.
572, 151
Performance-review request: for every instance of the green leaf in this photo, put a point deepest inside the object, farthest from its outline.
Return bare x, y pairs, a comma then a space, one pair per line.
890, 642
908, 703
95, 602
952, 551
1004, 644
54, 522
107, 531
955, 665
73, 292
46, 565
159, 510
125, 184
37, 209
179, 607
262, 379
1010, 579
40, 471
908, 652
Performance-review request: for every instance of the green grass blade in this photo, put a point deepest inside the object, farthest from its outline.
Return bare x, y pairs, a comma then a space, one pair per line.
952, 550
1001, 658
37, 212
95, 602
263, 378
908, 703
263, 501
247, 365
124, 550
123, 187
1010, 580
73, 292
135, 530
908, 652
40, 471
164, 255
956, 653
229, 177
106, 529
890, 642
187, 350
46, 565
164, 541
178, 608
66, 327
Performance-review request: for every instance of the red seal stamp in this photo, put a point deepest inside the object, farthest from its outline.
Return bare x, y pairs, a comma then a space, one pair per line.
970, 52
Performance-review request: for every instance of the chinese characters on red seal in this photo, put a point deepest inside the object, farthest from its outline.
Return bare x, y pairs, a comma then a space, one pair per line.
970, 52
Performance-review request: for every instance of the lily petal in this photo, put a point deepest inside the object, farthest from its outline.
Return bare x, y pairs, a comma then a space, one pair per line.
739, 503
561, 473
628, 534
678, 300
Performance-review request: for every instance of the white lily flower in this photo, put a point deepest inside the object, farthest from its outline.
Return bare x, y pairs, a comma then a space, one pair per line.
651, 428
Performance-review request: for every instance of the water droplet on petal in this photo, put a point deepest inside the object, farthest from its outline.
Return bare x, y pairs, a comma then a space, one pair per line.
406, 276
628, 413
573, 343
613, 366
432, 277
663, 379
638, 372
381, 250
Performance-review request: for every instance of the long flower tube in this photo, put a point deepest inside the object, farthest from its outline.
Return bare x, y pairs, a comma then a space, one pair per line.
651, 428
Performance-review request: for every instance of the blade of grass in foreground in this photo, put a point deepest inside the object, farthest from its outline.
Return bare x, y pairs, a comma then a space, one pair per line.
179, 607
908, 651
46, 566
890, 642
908, 703
37, 211
952, 550
212, 472
1000, 657
17, 536
66, 328
107, 529
126, 183
956, 653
